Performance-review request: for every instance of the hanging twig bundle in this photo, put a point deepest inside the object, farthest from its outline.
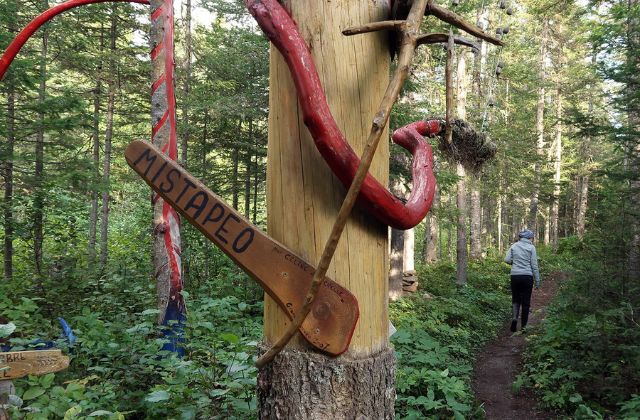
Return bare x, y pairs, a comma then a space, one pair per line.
469, 147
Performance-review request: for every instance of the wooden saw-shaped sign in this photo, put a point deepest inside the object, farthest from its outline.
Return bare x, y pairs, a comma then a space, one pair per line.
17, 364
281, 273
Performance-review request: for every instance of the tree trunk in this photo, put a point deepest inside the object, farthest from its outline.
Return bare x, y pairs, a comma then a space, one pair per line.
235, 190
396, 264
431, 232
247, 173
633, 87
555, 206
108, 137
93, 215
476, 220
166, 223
582, 186
533, 209
8, 184
461, 198
38, 199
187, 85
303, 199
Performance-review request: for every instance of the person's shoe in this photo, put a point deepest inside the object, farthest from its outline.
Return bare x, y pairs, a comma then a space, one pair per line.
514, 325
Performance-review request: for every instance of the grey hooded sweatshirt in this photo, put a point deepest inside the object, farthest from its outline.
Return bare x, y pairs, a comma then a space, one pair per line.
523, 259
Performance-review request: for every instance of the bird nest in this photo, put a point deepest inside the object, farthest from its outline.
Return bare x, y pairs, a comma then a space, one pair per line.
468, 147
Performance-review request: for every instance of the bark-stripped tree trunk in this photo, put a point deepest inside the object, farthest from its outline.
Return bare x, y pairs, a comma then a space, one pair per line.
8, 184
557, 166
533, 209
166, 223
461, 197
303, 198
108, 138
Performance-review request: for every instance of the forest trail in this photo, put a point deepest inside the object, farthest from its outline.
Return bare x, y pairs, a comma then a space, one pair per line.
500, 361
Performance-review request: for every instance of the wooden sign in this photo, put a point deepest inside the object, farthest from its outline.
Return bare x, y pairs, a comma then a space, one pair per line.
282, 274
17, 364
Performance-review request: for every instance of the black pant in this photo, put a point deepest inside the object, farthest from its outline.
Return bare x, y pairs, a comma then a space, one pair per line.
521, 287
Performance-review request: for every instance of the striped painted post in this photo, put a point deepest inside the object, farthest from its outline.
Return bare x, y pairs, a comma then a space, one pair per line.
166, 223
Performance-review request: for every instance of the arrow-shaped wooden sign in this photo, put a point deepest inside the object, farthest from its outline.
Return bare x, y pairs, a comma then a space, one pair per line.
281, 273
17, 364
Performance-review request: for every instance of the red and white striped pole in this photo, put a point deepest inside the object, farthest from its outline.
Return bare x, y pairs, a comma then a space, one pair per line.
166, 234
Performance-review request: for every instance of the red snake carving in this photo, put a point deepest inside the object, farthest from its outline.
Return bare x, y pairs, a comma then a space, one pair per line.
280, 28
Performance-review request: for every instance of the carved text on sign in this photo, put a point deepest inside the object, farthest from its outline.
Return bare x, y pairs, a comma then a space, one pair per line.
281, 273
36, 362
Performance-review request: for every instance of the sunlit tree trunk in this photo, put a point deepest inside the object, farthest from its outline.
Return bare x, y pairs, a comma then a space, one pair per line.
303, 198
476, 220
461, 196
431, 232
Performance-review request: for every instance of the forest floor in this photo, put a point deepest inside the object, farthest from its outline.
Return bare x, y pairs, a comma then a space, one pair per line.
500, 361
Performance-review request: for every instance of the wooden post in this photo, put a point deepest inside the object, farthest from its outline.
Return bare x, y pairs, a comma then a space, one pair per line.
303, 199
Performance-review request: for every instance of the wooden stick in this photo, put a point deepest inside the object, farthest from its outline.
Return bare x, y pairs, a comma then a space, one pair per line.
396, 25
407, 51
457, 21
449, 89
440, 38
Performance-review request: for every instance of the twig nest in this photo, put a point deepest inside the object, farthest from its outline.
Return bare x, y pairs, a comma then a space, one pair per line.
469, 147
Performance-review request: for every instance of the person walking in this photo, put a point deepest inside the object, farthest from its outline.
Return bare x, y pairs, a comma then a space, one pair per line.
524, 269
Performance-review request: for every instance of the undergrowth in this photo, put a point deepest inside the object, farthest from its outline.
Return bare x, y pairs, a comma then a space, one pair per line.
585, 360
439, 334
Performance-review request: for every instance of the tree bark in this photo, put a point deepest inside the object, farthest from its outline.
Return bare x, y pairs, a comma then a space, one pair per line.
8, 184
461, 197
186, 89
396, 264
476, 220
93, 215
166, 223
431, 233
235, 189
247, 173
633, 113
303, 199
38, 199
108, 138
533, 209
557, 166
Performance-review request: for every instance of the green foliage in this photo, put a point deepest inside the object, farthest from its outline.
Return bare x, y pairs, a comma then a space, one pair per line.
438, 336
592, 318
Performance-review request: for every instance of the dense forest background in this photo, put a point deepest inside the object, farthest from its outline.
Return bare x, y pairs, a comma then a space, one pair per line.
561, 101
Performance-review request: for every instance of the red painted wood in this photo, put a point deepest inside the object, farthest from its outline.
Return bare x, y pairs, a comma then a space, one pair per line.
333, 146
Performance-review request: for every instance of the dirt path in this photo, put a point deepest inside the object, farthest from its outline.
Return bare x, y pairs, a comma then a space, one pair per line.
500, 362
